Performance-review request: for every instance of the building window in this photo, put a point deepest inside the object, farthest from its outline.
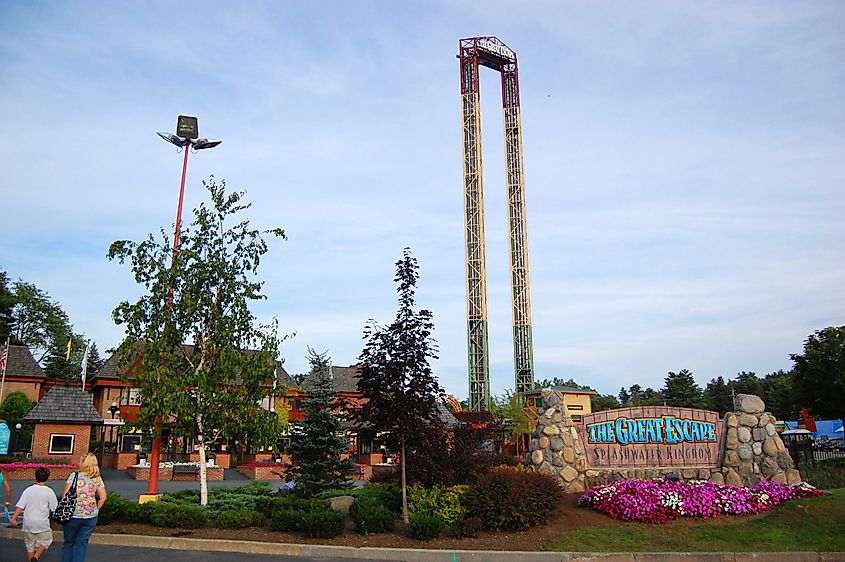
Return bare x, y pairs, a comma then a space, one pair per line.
130, 443
576, 407
61, 444
577, 418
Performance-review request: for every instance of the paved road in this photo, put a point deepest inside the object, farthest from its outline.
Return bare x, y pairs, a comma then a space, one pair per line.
13, 550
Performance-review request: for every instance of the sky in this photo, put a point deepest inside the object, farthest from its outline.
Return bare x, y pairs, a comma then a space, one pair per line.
685, 178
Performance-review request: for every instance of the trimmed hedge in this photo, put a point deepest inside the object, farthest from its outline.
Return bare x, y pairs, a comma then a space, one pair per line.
371, 517
425, 526
323, 524
239, 519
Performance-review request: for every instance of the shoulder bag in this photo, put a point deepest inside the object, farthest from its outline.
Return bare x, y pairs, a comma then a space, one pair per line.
67, 505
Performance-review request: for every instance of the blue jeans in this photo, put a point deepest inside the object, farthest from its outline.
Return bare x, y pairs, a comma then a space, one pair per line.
77, 532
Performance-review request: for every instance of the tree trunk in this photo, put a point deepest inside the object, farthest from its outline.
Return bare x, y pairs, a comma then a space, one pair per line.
202, 467
404, 483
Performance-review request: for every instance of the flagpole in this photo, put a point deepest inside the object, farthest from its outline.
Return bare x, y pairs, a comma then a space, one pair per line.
5, 364
85, 363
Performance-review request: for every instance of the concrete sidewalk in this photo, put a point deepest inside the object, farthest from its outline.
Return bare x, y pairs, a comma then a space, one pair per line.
345, 553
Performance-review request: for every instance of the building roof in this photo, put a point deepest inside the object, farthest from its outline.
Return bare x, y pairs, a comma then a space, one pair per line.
562, 389
66, 404
110, 371
447, 417
345, 379
21, 363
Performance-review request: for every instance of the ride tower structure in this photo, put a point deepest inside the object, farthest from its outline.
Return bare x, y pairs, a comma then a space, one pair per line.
490, 52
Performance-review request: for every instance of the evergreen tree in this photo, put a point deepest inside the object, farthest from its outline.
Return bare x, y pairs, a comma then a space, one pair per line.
624, 397
748, 383
718, 397
781, 397
599, 402
316, 449
681, 390
396, 379
56, 365
7, 303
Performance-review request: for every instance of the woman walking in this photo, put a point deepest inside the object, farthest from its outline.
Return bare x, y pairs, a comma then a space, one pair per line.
90, 497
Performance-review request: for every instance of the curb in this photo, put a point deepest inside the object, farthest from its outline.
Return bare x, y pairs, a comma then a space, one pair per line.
423, 555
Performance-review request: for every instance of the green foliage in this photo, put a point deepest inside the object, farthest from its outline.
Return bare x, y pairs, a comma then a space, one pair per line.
508, 500
446, 503
324, 524
718, 397
7, 303
371, 517
181, 516
40, 322
16, 405
682, 391
137, 513
396, 380
203, 299
601, 402
287, 520
820, 372
113, 509
239, 519
316, 449
468, 527
388, 494
425, 526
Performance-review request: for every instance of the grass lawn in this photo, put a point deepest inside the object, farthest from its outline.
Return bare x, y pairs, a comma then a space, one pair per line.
811, 524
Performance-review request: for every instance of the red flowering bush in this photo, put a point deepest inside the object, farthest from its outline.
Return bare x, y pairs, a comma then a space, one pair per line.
658, 501
25, 465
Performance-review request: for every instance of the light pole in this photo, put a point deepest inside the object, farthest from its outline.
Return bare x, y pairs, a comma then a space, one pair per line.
186, 137
18, 427
114, 409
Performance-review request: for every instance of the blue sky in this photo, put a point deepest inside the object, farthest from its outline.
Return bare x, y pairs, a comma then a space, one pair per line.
683, 160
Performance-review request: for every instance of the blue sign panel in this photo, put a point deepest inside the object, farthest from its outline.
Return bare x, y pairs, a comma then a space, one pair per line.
4, 438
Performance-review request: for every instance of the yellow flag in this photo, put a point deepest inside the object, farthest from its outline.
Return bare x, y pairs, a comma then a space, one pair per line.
69, 342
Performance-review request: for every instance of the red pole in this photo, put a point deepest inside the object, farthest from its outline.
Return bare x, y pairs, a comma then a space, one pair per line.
155, 451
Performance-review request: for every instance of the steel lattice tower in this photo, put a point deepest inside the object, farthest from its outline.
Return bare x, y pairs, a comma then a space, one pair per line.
492, 53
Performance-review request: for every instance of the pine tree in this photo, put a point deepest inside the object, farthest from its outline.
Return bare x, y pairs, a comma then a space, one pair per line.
316, 449
681, 390
718, 396
396, 379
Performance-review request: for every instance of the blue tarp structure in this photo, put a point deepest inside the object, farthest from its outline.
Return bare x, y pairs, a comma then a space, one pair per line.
825, 429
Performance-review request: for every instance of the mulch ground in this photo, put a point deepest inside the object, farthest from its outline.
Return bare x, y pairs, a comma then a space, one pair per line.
569, 517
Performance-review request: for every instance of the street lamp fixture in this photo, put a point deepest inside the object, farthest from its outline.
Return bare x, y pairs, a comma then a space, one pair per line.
114, 409
187, 136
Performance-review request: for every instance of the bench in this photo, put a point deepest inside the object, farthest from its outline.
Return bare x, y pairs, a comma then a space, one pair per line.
185, 472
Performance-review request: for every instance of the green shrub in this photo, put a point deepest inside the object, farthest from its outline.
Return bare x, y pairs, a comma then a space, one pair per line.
137, 513
388, 495
167, 514
446, 503
287, 520
182, 496
113, 509
371, 516
508, 500
468, 527
825, 474
425, 526
239, 518
323, 524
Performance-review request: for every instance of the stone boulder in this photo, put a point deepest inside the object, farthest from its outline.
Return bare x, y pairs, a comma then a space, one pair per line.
749, 404
341, 503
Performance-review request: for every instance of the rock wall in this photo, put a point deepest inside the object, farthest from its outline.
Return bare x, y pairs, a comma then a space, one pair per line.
751, 450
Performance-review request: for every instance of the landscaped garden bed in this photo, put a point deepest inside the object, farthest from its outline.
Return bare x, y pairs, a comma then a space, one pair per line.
26, 470
659, 500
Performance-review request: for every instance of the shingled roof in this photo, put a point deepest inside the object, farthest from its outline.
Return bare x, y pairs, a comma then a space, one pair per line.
21, 363
345, 379
110, 370
65, 404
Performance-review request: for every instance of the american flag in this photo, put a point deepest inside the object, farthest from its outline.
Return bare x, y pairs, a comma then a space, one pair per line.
3, 361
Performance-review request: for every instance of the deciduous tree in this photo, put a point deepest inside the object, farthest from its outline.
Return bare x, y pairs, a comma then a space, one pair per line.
396, 378
820, 372
205, 362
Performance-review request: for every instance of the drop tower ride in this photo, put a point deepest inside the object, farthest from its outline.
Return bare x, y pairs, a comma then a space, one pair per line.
493, 53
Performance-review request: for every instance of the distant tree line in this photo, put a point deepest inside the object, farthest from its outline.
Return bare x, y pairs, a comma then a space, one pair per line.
816, 381
30, 317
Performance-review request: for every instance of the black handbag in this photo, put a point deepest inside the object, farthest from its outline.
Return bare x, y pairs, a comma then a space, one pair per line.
67, 505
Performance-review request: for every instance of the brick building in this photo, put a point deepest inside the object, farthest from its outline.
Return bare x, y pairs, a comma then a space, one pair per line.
63, 419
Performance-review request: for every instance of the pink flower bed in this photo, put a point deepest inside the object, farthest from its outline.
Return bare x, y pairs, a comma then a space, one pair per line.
34, 465
658, 501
